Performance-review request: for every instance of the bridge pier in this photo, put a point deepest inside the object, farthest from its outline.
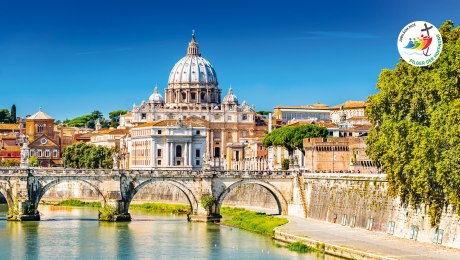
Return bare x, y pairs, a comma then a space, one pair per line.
121, 215
23, 210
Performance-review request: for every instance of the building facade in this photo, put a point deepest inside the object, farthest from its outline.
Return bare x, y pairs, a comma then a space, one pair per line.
330, 155
193, 94
168, 144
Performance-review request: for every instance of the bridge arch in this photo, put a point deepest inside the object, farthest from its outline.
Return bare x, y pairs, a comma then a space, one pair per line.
53, 183
279, 198
186, 191
7, 195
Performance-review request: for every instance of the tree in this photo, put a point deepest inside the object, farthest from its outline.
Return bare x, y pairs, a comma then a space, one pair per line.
33, 161
416, 129
4, 116
86, 120
115, 117
291, 137
83, 155
13, 118
263, 112
207, 202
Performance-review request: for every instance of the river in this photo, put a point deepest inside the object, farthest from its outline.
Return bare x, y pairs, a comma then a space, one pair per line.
75, 233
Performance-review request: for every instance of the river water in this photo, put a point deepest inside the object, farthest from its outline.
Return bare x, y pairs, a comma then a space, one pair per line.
75, 233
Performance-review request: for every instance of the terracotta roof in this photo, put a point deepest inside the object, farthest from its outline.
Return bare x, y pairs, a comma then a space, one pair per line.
13, 148
39, 115
326, 124
128, 114
170, 123
351, 104
9, 126
113, 132
357, 118
8, 137
361, 127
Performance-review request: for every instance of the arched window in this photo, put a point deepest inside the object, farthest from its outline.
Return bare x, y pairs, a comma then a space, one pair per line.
178, 151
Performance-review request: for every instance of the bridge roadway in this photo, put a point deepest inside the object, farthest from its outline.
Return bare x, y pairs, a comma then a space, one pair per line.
24, 188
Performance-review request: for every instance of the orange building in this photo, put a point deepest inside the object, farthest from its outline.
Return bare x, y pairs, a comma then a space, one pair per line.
46, 143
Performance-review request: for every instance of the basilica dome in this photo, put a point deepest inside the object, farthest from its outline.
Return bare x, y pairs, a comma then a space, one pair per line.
230, 98
193, 68
156, 97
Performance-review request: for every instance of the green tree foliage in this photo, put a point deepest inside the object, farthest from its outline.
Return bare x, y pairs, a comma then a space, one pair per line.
13, 118
91, 119
9, 163
115, 117
285, 164
5, 116
291, 137
263, 112
33, 161
416, 136
207, 201
83, 155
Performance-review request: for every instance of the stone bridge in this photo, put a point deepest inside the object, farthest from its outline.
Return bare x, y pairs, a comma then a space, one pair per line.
24, 188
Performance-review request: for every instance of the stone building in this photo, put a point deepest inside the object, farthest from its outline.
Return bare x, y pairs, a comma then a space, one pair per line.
315, 112
345, 154
193, 94
351, 112
168, 144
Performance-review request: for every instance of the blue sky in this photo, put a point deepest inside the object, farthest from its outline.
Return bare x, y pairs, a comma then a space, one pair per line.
73, 57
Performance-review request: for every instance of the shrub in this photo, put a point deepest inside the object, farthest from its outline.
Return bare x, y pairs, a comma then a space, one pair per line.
285, 164
208, 201
107, 213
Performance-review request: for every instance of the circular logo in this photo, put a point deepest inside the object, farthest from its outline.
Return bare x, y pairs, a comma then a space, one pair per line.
43, 141
420, 43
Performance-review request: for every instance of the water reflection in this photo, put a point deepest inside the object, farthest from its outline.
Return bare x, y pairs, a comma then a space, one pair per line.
72, 233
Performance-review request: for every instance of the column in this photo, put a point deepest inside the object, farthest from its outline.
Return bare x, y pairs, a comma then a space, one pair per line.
166, 153
186, 155
171, 154
190, 154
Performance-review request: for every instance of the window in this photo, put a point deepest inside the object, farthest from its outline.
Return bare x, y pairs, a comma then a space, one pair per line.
198, 132
197, 153
193, 96
244, 133
159, 162
352, 221
39, 153
40, 129
245, 117
143, 116
178, 151
47, 153
391, 228
178, 163
370, 223
32, 153
216, 151
159, 132
55, 153
438, 234
413, 232
197, 162
344, 220
158, 152
217, 134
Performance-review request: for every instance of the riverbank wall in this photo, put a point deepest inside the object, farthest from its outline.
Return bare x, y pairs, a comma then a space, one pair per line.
362, 201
